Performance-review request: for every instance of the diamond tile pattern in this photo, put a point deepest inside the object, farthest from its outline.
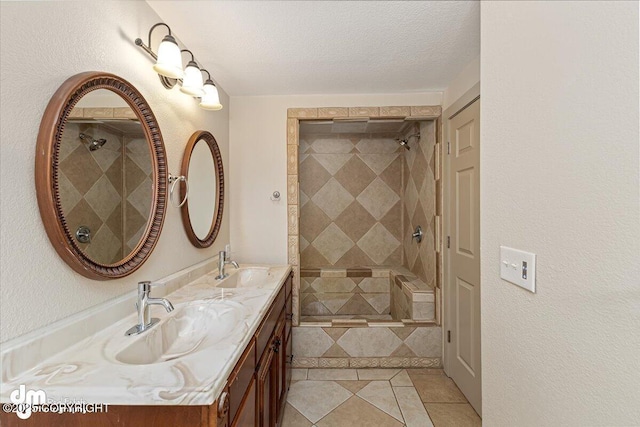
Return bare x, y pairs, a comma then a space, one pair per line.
332, 198
361, 198
378, 243
332, 243
94, 185
411, 398
420, 202
343, 198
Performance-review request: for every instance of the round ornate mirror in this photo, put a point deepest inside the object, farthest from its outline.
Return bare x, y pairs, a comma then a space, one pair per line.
101, 175
202, 166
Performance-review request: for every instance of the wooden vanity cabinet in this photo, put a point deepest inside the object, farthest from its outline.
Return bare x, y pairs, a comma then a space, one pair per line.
254, 396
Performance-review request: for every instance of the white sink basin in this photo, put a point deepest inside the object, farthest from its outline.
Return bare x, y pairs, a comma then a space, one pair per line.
188, 329
251, 277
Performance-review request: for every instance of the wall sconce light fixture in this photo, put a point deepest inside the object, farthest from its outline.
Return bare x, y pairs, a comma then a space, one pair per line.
192, 80
211, 98
169, 68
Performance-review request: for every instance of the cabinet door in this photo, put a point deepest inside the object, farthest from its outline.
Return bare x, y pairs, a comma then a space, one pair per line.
280, 368
288, 345
246, 415
266, 415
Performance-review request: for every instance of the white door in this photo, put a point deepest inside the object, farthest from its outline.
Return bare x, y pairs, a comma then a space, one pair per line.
463, 351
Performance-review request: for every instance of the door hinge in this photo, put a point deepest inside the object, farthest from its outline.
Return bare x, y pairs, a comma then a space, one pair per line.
448, 241
448, 147
448, 336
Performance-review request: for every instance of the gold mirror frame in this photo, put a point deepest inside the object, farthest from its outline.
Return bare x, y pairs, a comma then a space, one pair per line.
216, 222
47, 174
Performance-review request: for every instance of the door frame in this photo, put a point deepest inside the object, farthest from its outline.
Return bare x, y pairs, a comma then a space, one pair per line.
460, 104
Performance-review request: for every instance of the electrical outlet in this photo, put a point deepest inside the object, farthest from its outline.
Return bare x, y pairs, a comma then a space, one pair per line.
518, 267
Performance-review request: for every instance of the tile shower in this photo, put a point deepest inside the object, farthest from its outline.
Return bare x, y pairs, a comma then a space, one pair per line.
361, 197
107, 190
367, 293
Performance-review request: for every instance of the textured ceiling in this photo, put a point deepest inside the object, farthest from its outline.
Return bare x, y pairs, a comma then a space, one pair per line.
317, 47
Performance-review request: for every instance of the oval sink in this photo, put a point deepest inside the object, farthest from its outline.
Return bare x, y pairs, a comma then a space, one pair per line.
252, 277
188, 329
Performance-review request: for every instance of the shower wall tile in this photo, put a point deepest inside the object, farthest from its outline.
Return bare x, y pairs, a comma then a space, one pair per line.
420, 192
108, 190
432, 111
292, 190
302, 113
292, 212
292, 132
353, 216
98, 113
364, 112
367, 347
292, 159
331, 112
395, 111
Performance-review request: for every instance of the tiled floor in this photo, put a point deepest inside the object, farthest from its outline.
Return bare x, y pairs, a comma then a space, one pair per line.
376, 398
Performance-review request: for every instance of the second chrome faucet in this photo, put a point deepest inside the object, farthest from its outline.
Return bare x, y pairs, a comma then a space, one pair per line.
222, 261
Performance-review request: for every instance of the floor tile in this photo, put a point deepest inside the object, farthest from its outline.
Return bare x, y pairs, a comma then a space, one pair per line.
356, 412
298, 374
436, 388
353, 386
425, 371
380, 394
401, 380
411, 407
453, 415
293, 418
377, 374
315, 399
332, 374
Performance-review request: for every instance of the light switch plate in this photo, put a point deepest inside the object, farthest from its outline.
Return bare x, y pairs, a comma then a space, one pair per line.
518, 267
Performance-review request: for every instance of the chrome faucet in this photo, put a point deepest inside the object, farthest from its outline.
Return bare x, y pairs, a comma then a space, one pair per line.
143, 303
222, 261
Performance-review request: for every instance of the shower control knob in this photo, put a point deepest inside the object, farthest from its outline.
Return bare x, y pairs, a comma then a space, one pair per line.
83, 234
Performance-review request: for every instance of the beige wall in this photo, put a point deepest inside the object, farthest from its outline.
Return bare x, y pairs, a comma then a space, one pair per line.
42, 44
257, 127
560, 178
464, 81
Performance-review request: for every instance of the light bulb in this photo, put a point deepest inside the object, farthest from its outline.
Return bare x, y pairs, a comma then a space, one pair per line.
192, 81
169, 62
211, 99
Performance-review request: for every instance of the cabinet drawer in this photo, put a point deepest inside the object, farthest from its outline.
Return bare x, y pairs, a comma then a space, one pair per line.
269, 323
241, 377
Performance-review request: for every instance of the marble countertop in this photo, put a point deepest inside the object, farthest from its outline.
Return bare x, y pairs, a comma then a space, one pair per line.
89, 369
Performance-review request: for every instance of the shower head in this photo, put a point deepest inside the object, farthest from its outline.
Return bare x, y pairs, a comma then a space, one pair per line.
92, 144
404, 143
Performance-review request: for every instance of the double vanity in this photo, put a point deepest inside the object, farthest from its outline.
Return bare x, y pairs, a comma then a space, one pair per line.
221, 357
205, 348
